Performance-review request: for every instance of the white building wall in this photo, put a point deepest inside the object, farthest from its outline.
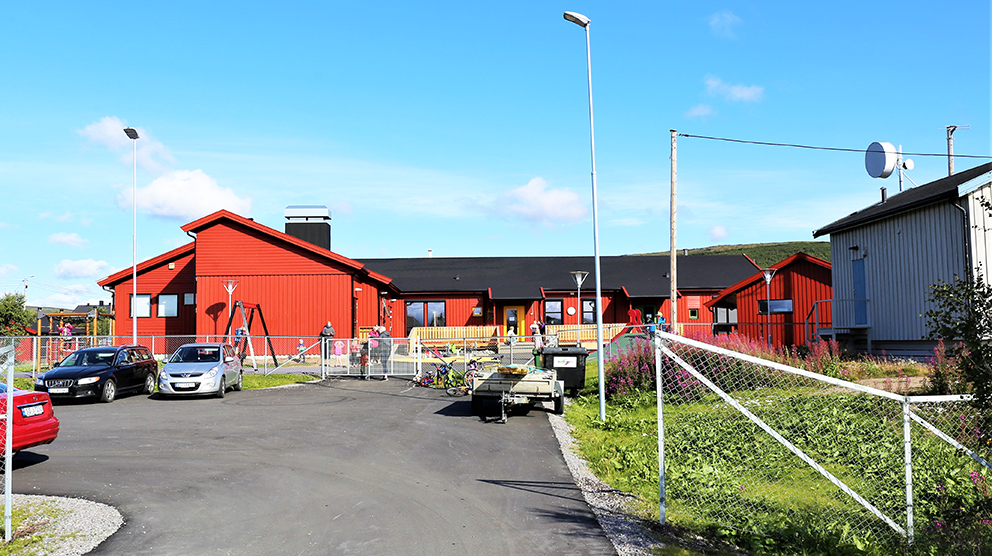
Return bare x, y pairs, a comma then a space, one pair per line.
903, 255
981, 229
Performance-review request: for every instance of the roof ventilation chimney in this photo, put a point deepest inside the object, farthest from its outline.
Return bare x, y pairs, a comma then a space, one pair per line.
309, 223
885, 195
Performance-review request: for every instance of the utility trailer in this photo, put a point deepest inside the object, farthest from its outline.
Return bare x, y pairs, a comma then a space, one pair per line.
517, 384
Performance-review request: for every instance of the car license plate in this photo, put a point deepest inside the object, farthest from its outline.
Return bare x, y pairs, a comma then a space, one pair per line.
58, 390
185, 385
32, 410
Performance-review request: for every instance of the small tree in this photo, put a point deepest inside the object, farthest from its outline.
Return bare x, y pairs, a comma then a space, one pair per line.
14, 316
962, 317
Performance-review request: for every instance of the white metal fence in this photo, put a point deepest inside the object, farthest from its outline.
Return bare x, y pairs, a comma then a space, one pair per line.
745, 441
7, 356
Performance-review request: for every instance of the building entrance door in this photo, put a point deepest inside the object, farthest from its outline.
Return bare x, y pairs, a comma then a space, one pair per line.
513, 318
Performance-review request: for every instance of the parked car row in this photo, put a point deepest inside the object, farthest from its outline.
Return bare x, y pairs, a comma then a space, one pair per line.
104, 372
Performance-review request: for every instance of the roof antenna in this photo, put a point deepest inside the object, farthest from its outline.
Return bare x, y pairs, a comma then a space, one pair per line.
882, 158
950, 146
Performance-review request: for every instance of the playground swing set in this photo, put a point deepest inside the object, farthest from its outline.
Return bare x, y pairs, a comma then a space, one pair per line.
242, 337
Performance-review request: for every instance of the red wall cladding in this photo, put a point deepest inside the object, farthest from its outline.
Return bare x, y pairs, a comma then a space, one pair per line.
157, 281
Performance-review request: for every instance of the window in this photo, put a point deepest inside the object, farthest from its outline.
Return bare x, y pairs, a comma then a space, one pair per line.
141, 305
693, 314
189, 299
168, 305
778, 306
424, 313
552, 311
588, 311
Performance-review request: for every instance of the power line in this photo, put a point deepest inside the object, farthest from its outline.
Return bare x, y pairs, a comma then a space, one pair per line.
943, 155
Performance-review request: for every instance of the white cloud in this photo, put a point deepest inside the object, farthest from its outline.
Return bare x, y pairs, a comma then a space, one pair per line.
152, 155
185, 195
536, 204
734, 93
86, 268
57, 217
718, 233
700, 111
62, 238
722, 24
7, 269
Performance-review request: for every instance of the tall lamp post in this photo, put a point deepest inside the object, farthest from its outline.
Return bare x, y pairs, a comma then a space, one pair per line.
768, 273
583, 21
132, 134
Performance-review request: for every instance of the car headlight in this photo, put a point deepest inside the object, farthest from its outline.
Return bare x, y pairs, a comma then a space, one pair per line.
163, 375
40, 380
87, 380
211, 373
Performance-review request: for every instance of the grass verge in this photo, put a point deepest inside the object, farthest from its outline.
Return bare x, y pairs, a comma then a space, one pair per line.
257, 382
29, 537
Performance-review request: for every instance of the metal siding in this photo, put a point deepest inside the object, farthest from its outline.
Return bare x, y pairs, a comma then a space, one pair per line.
903, 255
980, 225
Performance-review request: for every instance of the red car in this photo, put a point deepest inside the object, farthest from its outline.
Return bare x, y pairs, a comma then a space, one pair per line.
34, 421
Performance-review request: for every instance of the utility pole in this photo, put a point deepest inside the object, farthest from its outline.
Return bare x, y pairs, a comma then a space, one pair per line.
673, 270
950, 146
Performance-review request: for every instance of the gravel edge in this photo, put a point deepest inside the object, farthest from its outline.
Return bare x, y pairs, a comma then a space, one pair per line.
608, 504
78, 526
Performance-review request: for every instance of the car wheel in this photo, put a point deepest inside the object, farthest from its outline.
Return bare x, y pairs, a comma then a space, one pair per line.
223, 387
150, 384
238, 384
109, 392
559, 405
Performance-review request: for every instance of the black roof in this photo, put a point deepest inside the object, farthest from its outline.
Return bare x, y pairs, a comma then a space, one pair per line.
523, 277
926, 194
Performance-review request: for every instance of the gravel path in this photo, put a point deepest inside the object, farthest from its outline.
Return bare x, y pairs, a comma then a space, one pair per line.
77, 526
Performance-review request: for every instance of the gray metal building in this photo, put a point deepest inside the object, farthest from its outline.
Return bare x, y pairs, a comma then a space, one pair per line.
886, 256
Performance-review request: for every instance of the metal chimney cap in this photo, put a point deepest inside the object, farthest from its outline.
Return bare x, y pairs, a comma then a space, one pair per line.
307, 212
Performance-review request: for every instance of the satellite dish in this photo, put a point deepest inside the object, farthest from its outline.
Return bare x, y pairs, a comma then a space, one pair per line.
880, 159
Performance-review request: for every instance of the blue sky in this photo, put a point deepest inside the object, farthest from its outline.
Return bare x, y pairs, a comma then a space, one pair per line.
463, 127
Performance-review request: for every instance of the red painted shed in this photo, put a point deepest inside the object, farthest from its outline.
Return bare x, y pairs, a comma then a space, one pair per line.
799, 282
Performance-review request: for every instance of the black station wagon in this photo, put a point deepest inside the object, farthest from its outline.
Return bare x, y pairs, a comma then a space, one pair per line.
101, 372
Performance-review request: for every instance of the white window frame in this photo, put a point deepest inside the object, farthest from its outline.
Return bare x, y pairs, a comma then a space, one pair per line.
168, 305
142, 305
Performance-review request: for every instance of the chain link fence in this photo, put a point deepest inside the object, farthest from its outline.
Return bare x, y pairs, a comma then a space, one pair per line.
748, 443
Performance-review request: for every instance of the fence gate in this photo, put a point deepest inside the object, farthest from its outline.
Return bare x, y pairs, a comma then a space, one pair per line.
843, 455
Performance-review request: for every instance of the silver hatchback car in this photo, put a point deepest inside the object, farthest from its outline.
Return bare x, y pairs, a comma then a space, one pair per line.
201, 369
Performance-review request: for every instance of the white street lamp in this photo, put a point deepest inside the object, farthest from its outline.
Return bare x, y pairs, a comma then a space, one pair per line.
132, 134
579, 276
768, 273
583, 22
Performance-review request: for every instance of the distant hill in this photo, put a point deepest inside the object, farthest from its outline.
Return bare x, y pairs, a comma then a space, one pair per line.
765, 254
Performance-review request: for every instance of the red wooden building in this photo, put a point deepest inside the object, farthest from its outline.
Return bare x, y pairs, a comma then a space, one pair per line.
300, 283
799, 281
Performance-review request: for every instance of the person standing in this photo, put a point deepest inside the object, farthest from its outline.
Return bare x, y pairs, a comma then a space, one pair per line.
385, 350
535, 331
326, 334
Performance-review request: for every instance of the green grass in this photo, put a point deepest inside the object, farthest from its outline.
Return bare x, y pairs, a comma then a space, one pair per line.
23, 382
256, 382
720, 467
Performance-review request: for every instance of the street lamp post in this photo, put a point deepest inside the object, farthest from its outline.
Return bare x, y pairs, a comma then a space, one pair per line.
132, 134
768, 273
583, 22
579, 276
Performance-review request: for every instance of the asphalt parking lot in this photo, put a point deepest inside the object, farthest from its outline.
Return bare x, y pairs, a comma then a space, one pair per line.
340, 467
